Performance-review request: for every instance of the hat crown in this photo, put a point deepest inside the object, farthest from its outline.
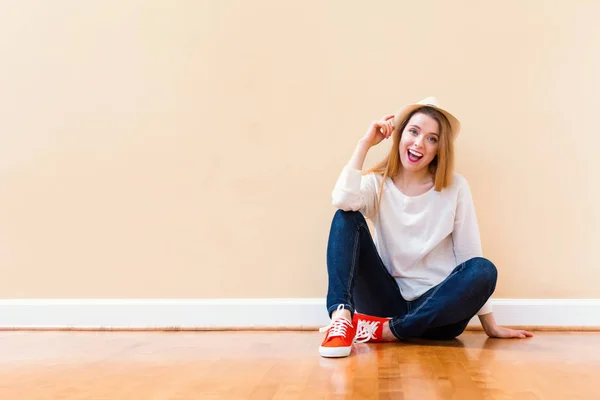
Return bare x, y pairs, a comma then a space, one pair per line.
430, 101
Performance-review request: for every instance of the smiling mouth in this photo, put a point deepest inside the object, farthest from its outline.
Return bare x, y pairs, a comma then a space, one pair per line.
414, 156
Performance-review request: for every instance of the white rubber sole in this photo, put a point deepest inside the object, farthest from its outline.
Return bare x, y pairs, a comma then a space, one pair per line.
335, 351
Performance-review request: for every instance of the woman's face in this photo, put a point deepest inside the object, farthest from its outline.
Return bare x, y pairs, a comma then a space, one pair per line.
419, 142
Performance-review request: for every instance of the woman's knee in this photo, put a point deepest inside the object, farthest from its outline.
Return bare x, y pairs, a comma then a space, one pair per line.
343, 218
484, 270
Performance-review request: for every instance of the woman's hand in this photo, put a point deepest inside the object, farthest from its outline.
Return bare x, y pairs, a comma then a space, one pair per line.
507, 333
379, 130
494, 331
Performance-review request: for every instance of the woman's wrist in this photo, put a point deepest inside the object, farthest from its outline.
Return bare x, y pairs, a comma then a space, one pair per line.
491, 330
489, 323
360, 153
363, 144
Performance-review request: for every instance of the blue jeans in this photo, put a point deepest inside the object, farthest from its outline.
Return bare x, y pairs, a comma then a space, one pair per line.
359, 280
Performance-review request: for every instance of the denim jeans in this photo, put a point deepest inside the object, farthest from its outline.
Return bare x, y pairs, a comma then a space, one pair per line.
359, 280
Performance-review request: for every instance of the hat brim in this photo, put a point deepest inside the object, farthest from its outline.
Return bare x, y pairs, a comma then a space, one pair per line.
405, 111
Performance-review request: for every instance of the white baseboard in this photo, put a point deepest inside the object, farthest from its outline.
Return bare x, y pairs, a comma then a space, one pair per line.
297, 313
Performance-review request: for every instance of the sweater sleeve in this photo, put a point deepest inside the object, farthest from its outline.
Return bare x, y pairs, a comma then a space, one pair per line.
355, 192
466, 237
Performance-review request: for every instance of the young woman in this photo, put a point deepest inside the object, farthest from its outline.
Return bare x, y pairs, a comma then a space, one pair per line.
424, 275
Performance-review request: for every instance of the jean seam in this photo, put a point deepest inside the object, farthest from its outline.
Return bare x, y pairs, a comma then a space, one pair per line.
394, 323
353, 266
366, 227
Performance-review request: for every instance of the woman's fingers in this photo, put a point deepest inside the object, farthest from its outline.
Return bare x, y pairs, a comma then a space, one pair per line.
383, 128
387, 125
390, 127
523, 334
385, 131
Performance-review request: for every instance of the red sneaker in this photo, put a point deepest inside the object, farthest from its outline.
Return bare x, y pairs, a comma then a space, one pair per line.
339, 338
369, 328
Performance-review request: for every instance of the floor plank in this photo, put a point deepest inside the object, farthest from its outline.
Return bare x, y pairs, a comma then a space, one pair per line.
286, 365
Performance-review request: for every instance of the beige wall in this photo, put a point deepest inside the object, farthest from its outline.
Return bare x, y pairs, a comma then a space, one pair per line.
188, 148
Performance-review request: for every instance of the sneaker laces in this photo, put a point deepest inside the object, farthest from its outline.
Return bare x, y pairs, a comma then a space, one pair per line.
337, 326
365, 330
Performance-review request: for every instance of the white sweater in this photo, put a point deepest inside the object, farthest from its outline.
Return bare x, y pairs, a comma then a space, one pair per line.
421, 239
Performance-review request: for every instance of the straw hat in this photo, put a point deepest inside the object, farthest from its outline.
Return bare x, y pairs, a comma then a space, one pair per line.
432, 102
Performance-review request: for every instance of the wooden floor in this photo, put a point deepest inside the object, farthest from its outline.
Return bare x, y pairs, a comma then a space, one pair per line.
286, 365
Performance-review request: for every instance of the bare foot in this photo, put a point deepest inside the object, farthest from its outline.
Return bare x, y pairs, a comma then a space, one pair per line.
387, 333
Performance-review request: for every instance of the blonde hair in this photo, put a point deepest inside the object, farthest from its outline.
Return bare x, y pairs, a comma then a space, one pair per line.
441, 167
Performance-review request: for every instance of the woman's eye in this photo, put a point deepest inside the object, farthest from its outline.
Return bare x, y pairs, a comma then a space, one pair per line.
432, 139
414, 132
